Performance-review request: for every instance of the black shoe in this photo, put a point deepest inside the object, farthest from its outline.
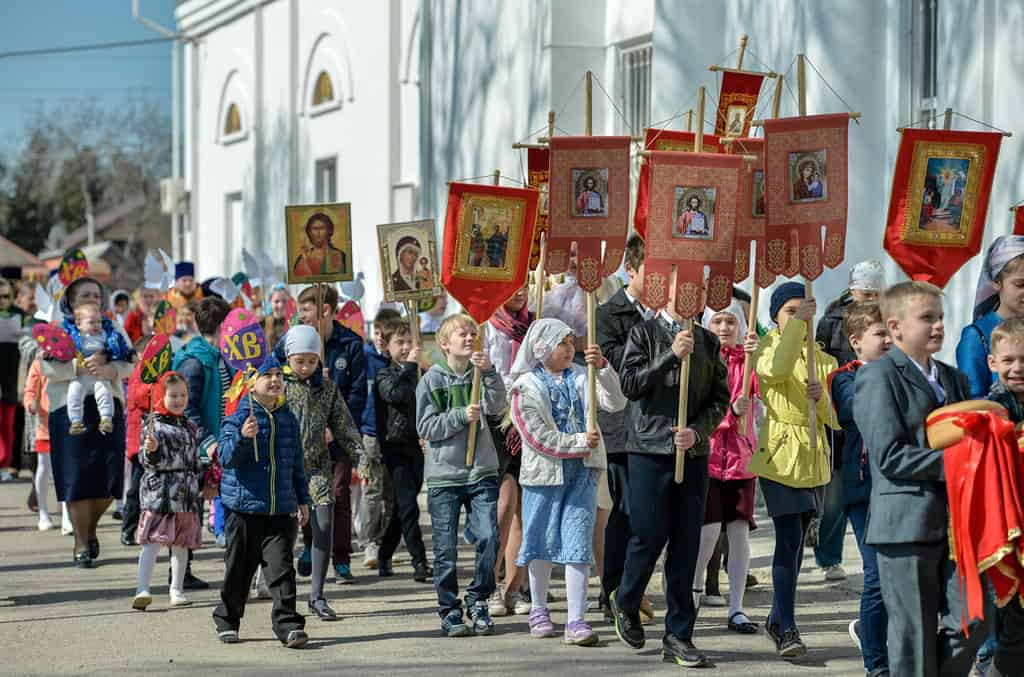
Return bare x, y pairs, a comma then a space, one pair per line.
682, 652
422, 573
751, 581
118, 515
627, 626
192, 582
384, 569
322, 611
790, 645
743, 625
94, 548
127, 540
82, 560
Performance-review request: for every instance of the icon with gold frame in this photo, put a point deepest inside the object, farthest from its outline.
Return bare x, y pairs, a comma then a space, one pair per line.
319, 242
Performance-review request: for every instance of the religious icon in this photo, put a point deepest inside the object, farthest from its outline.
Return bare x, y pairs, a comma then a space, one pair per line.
757, 208
942, 199
488, 242
736, 117
408, 260
590, 192
319, 241
543, 188
694, 213
807, 176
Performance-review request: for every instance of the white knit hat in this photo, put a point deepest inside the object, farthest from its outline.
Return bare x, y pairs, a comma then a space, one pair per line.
867, 276
301, 339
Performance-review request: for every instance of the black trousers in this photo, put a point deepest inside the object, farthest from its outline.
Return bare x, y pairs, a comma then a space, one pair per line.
131, 510
1010, 631
406, 471
662, 513
252, 540
616, 535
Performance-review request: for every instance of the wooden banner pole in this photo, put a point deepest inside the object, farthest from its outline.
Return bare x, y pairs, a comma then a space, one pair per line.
541, 276
812, 377
320, 322
689, 120
748, 362
474, 395
684, 365
743, 49
588, 130
947, 119
777, 100
414, 321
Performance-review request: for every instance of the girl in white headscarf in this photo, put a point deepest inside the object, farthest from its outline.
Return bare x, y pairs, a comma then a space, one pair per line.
560, 466
1000, 296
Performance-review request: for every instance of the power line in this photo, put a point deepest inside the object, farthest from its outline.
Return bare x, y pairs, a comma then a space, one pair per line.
83, 48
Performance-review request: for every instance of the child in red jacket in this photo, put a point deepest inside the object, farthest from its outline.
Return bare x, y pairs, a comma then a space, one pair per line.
730, 487
138, 407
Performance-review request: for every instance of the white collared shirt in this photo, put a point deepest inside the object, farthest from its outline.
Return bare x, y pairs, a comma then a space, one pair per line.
932, 376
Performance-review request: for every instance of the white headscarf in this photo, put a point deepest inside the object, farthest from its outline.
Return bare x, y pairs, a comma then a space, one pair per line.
540, 341
867, 276
734, 309
1002, 250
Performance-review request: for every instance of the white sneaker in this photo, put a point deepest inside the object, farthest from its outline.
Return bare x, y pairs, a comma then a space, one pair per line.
854, 630
178, 598
834, 573
370, 555
713, 600
496, 604
45, 523
142, 600
520, 605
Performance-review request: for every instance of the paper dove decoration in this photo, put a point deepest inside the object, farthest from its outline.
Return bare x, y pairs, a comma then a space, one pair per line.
159, 273
47, 308
227, 290
354, 290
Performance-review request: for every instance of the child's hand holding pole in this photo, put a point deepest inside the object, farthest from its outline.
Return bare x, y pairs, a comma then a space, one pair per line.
250, 428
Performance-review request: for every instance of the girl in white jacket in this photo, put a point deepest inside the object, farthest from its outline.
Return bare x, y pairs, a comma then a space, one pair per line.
560, 466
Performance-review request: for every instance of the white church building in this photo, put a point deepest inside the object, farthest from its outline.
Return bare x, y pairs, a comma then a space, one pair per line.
381, 103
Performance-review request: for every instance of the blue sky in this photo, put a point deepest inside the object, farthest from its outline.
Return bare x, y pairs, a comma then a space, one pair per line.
108, 76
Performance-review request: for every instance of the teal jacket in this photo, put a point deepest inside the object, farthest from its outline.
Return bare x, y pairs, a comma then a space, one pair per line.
198, 363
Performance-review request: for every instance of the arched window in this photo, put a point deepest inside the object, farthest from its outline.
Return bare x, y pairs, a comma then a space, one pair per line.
323, 92
232, 120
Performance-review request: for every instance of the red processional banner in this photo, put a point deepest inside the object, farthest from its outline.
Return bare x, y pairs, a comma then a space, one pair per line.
940, 190
737, 101
588, 205
1018, 220
538, 164
487, 235
750, 214
693, 205
806, 190
663, 139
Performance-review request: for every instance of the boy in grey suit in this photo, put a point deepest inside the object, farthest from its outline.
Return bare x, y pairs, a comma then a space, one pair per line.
908, 519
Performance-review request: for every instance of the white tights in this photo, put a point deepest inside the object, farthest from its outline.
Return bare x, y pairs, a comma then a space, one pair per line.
42, 483
738, 533
575, 586
147, 560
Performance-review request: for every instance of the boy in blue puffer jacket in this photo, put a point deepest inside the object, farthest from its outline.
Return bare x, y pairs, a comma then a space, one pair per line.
263, 486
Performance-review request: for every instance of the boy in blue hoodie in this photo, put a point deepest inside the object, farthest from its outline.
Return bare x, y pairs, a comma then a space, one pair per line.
263, 486
870, 340
443, 417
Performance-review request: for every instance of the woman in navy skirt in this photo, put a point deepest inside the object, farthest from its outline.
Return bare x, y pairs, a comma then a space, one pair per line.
88, 469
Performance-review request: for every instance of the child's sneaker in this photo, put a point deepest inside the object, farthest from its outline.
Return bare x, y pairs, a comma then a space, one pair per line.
178, 598
370, 555
343, 574
541, 626
481, 617
45, 523
499, 605
520, 604
77, 428
296, 639
228, 636
452, 625
106, 426
579, 633
142, 600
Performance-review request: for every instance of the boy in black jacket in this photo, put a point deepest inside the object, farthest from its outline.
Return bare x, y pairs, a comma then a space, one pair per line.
660, 511
395, 408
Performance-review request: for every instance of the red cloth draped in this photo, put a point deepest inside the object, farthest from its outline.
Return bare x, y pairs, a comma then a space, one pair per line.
538, 163
739, 91
984, 483
1018, 220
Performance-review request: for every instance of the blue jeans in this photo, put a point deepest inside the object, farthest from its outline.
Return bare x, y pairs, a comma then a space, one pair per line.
445, 504
833, 525
874, 620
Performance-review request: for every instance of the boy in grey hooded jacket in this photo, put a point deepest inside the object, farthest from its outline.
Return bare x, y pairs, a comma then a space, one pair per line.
443, 417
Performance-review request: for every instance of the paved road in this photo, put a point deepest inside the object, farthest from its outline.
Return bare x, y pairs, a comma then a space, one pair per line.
55, 619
